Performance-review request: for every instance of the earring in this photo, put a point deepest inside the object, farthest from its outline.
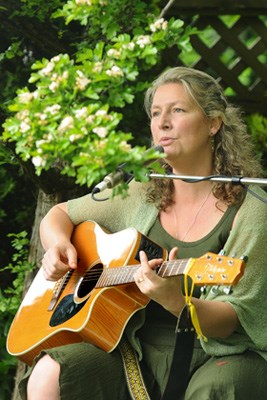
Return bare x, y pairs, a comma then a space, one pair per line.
212, 141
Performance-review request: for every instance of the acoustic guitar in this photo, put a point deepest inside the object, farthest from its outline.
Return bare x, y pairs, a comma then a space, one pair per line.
95, 302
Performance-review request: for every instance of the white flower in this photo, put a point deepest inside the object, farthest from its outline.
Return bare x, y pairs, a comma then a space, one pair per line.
101, 112
52, 109
98, 67
39, 143
101, 131
55, 59
114, 53
25, 97
128, 46
81, 80
159, 24
81, 112
53, 86
125, 146
49, 68
143, 40
65, 75
66, 123
42, 117
38, 161
90, 119
83, 2
74, 137
24, 127
23, 115
114, 71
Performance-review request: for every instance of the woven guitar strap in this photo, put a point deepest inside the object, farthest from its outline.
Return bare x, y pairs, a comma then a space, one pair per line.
179, 371
134, 378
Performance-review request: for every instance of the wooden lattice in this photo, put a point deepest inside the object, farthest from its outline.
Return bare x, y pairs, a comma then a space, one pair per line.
234, 52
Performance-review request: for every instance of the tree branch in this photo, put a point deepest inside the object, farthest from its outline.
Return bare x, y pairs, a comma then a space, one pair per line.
166, 8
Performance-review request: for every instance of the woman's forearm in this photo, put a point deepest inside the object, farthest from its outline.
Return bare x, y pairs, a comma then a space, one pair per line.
56, 226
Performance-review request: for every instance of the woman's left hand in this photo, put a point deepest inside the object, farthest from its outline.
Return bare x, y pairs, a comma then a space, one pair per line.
165, 291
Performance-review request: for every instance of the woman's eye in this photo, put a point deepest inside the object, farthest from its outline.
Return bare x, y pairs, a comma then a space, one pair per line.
155, 114
177, 110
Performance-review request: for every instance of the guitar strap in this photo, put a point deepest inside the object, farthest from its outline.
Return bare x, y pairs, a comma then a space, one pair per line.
179, 371
182, 356
134, 378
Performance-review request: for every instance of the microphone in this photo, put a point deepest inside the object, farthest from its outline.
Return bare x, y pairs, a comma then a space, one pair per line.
115, 178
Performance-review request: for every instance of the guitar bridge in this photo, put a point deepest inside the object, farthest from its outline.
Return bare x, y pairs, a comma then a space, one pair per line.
59, 287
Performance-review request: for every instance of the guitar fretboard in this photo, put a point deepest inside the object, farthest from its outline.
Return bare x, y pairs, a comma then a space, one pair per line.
125, 274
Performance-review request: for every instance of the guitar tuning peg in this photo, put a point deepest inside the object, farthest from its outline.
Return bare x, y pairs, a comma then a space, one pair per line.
227, 289
221, 252
215, 289
203, 289
244, 258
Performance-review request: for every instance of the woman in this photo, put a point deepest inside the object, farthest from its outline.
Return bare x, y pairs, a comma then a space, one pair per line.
201, 135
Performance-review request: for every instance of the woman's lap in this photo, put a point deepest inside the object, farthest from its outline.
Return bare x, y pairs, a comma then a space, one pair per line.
235, 377
90, 373
87, 372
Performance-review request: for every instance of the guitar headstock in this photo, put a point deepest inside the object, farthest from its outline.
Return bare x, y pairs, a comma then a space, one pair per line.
214, 269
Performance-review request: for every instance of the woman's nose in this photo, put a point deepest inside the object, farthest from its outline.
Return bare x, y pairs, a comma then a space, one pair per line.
164, 121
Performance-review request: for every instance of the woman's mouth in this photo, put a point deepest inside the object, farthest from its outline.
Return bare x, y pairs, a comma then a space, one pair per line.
166, 141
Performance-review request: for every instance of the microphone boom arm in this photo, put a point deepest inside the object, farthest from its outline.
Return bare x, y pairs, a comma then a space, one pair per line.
236, 180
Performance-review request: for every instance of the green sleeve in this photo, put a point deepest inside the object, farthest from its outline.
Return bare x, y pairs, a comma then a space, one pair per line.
248, 237
117, 213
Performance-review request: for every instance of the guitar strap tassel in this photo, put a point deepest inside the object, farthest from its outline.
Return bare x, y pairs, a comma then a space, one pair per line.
192, 309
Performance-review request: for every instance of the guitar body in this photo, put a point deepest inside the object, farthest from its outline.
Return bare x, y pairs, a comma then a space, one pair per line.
72, 309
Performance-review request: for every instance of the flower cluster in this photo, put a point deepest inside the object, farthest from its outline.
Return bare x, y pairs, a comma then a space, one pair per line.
69, 118
160, 24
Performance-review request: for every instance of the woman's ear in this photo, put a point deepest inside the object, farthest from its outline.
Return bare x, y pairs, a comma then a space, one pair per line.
216, 123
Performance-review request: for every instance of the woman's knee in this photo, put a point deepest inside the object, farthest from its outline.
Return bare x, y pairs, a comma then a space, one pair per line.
43, 382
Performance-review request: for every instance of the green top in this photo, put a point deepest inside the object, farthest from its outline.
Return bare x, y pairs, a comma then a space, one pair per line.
213, 241
248, 237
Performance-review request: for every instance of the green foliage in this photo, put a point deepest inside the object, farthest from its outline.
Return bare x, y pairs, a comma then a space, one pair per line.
110, 18
38, 9
257, 125
10, 299
70, 120
7, 184
19, 266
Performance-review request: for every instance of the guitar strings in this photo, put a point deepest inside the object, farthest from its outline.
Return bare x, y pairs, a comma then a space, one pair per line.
95, 273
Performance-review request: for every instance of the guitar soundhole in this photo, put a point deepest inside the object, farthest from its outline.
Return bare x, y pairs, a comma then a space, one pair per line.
89, 280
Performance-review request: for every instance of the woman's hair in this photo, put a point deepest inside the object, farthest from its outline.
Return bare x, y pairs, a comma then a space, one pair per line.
233, 150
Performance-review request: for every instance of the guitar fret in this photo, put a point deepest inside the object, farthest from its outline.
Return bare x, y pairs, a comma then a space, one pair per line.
171, 268
117, 276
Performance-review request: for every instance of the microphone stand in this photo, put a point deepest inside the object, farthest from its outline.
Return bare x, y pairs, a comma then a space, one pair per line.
235, 180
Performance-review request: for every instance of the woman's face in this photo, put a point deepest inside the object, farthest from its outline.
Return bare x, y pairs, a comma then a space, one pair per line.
180, 126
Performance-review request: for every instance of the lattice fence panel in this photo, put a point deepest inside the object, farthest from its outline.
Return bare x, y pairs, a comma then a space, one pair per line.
236, 54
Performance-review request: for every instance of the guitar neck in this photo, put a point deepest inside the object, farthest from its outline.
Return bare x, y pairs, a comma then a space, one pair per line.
122, 275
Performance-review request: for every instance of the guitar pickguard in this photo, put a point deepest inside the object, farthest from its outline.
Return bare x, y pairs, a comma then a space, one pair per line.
151, 248
65, 310
71, 304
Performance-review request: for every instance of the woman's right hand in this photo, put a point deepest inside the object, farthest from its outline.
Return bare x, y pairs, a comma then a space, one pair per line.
59, 259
